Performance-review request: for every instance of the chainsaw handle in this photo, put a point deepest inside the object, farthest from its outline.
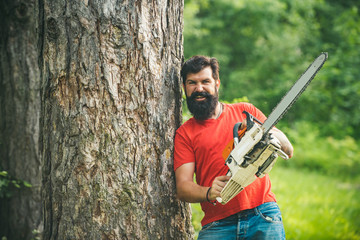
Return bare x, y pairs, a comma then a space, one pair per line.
238, 133
249, 124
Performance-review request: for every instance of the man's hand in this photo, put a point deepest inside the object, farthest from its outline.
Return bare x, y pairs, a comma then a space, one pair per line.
189, 191
217, 185
280, 136
284, 141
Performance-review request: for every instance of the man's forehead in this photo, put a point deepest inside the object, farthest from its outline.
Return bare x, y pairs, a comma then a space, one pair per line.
205, 73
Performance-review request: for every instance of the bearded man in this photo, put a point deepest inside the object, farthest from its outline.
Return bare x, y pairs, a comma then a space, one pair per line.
199, 144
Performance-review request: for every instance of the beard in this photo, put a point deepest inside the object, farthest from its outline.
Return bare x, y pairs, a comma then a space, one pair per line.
202, 110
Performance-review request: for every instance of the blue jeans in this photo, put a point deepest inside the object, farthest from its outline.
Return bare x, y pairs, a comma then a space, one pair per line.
262, 222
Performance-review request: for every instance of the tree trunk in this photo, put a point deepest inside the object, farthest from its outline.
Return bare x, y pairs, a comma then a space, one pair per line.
111, 102
21, 214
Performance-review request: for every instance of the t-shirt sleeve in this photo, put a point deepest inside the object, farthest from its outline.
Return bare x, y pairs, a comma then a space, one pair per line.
256, 112
183, 151
250, 108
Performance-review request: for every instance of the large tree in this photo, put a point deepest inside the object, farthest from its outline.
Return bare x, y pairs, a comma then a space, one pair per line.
110, 105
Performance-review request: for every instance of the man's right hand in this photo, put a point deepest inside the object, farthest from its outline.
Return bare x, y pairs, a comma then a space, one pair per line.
189, 191
217, 186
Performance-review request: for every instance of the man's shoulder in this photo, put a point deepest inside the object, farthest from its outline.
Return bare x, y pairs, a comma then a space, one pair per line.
241, 106
188, 124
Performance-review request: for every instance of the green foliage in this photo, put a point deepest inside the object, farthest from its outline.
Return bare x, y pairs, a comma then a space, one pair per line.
264, 46
186, 115
8, 184
330, 156
237, 100
197, 216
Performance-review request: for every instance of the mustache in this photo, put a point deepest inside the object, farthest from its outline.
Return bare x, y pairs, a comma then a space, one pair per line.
199, 94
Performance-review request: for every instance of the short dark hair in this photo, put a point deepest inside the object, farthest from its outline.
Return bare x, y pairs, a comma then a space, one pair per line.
197, 63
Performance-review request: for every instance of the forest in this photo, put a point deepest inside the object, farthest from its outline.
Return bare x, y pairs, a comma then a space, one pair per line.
263, 47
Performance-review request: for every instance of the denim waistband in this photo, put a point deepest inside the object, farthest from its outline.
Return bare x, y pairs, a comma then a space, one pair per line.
246, 213
242, 214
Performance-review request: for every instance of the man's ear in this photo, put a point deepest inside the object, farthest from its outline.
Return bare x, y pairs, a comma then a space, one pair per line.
217, 82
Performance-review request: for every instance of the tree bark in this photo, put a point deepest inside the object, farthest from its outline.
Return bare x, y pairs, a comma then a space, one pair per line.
21, 214
111, 102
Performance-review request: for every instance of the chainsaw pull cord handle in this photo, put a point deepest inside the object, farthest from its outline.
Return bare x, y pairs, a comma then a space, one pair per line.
240, 133
236, 133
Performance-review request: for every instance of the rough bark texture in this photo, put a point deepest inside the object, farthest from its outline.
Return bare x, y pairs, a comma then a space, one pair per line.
19, 117
111, 104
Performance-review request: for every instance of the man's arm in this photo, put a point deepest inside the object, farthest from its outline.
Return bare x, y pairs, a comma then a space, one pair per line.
189, 191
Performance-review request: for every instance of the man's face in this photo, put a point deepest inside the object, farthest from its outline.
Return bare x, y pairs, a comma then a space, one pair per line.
202, 93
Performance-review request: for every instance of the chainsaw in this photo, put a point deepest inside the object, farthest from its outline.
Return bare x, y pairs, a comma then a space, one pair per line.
255, 149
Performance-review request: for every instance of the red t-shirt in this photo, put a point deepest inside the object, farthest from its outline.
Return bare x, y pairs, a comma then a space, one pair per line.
203, 142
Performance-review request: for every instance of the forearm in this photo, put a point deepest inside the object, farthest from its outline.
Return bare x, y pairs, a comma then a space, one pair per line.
191, 192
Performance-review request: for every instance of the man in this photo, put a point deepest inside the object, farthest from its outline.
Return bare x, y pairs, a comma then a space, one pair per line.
199, 144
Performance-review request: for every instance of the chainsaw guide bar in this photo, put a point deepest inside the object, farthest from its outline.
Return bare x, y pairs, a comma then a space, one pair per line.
294, 93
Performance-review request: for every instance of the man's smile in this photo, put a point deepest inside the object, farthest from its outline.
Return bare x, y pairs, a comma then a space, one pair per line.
200, 98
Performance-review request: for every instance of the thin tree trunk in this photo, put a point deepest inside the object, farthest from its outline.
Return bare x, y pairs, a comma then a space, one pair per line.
21, 214
111, 102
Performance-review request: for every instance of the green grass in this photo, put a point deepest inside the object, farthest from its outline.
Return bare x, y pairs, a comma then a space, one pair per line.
197, 215
313, 206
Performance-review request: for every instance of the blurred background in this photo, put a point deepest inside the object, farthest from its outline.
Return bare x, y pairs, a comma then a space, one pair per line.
263, 47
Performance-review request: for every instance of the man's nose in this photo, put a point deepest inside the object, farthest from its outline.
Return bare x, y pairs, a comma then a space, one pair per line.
199, 88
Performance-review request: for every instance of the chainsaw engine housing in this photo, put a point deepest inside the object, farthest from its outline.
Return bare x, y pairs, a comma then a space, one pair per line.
254, 156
